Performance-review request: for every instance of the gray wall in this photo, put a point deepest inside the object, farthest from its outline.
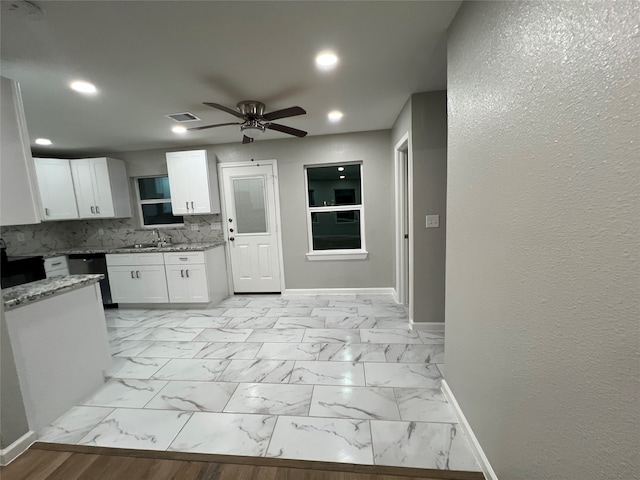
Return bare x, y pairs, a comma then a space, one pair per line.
543, 280
13, 419
429, 143
425, 117
372, 148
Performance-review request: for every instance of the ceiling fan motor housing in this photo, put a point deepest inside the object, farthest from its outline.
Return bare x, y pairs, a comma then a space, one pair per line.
251, 108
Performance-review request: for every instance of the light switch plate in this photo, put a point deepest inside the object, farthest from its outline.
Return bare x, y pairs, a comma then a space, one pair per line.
216, 226
195, 227
433, 221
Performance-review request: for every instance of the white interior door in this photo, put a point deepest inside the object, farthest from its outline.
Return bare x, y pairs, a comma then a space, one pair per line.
251, 225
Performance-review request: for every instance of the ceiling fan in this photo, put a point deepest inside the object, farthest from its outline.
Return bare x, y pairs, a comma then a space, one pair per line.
255, 121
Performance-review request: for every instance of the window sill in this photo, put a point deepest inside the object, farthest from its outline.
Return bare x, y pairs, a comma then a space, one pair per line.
337, 255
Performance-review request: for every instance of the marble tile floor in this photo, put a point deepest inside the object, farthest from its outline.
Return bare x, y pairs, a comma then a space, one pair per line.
330, 378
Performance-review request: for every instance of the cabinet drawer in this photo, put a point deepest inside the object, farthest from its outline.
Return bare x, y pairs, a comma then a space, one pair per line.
134, 259
55, 263
186, 258
58, 272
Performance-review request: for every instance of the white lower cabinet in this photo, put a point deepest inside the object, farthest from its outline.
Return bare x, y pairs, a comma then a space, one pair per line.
175, 277
56, 266
138, 284
187, 283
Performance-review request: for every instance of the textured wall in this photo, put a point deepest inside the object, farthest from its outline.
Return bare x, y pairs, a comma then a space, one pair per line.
543, 279
429, 142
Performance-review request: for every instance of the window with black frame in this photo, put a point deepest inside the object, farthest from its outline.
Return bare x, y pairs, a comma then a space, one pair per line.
335, 209
154, 200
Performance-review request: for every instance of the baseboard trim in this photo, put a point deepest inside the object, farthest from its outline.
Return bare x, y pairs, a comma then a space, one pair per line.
481, 458
437, 327
13, 451
339, 291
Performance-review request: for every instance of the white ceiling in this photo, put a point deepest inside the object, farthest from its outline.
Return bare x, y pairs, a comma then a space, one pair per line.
152, 58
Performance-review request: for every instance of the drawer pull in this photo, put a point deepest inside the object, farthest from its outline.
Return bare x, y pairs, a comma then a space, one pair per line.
192, 206
97, 209
184, 258
46, 212
187, 205
137, 274
182, 273
57, 263
133, 275
187, 273
93, 209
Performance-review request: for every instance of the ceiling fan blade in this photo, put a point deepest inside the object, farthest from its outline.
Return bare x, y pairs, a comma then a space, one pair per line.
285, 129
287, 112
246, 139
212, 126
225, 109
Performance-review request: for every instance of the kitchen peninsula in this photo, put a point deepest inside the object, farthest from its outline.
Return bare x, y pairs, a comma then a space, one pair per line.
58, 334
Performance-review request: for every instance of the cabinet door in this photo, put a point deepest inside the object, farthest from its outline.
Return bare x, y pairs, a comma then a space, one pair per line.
125, 287
19, 202
177, 168
82, 173
199, 192
197, 281
152, 283
102, 188
177, 283
56, 189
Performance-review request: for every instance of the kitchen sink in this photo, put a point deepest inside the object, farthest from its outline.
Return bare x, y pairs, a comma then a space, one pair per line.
140, 245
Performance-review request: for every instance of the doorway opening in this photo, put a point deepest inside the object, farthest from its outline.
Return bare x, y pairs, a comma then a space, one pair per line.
404, 244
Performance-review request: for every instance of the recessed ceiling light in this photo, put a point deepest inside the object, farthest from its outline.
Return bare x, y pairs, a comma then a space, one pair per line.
326, 60
83, 87
341, 169
335, 116
43, 141
342, 176
178, 129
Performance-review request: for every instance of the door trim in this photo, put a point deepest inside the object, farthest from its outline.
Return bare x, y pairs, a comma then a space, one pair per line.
399, 172
223, 213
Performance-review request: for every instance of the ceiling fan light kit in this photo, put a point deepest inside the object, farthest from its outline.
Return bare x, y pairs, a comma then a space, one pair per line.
255, 121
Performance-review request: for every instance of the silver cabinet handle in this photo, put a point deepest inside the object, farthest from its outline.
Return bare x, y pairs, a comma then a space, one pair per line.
132, 274
57, 263
93, 210
97, 209
192, 208
46, 212
137, 274
184, 258
182, 273
187, 273
187, 203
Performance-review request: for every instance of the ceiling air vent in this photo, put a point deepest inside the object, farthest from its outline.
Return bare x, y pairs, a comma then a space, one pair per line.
183, 117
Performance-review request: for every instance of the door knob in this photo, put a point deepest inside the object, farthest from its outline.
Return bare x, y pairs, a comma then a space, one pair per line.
231, 230
231, 239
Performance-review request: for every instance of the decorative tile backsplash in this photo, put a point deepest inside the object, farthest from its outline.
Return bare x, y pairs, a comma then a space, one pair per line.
51, 236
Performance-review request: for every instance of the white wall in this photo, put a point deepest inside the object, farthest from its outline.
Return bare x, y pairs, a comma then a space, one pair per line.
372, 148
543, 279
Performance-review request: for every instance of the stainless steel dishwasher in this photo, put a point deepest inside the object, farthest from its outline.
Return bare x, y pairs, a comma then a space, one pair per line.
80, 264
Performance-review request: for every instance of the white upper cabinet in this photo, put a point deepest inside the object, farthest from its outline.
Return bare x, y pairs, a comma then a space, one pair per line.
193, 183
56, 189
101, 188
19, 197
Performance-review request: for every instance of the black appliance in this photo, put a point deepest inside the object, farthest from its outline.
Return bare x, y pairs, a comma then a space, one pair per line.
19, 270
83, 263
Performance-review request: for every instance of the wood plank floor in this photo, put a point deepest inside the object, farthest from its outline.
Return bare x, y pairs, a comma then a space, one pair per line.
48, 461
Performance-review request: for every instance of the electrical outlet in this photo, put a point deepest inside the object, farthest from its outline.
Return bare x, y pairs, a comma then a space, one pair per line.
20, 237
216, 226
101, 231
433, 221
195, 227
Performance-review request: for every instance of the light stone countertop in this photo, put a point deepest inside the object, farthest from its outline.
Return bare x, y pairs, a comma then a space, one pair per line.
179, 247
27, 293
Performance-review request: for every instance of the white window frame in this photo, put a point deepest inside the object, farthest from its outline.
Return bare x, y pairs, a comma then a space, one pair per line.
337, 254
153, 201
